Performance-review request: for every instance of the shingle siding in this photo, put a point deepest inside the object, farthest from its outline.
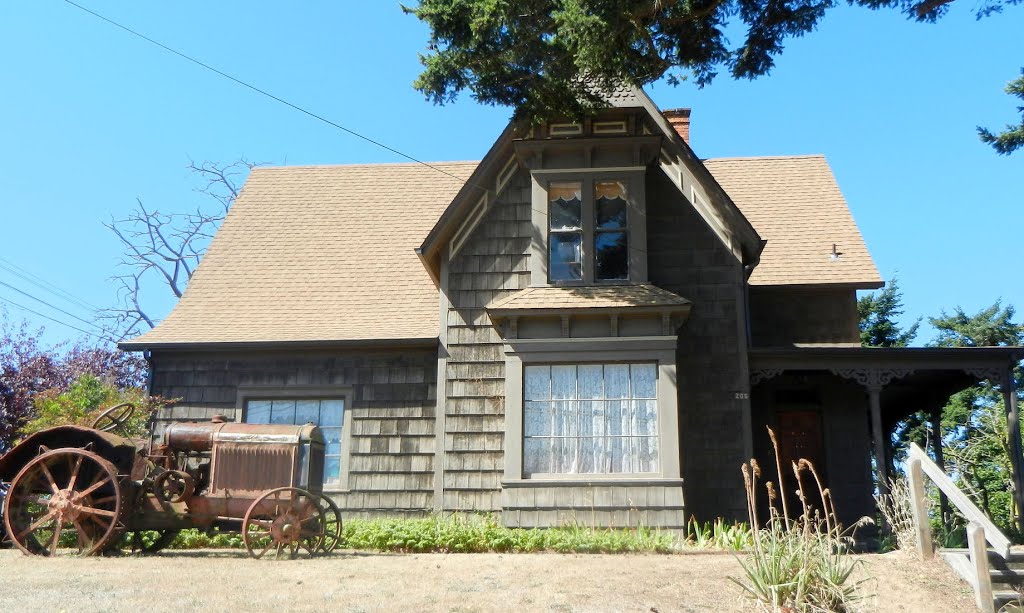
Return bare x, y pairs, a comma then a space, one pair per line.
391, 412
492, 265
685, 257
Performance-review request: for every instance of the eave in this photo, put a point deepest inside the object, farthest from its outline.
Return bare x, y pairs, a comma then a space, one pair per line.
280, 345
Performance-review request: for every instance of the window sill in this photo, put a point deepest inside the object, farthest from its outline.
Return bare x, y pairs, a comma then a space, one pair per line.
594, 481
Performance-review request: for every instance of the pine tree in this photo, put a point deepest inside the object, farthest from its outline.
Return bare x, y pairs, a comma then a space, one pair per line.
878, 314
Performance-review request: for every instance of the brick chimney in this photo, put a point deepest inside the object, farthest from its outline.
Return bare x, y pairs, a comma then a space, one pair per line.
680, 120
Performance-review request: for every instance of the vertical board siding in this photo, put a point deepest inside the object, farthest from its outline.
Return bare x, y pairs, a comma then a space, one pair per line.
493, 264
390, 412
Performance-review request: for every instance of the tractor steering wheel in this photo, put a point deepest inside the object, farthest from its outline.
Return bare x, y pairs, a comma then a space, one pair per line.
114, 418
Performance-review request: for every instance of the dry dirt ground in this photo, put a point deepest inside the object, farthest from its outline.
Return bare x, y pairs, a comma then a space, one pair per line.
227, 581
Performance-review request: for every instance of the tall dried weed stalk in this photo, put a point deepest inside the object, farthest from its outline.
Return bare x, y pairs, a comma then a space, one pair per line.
798, 563
897, 509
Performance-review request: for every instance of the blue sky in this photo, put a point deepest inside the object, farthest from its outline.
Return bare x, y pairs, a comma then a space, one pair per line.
92, 118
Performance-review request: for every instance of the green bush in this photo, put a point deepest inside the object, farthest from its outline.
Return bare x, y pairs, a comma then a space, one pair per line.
467, 534
718, 535
483, 533
84, 400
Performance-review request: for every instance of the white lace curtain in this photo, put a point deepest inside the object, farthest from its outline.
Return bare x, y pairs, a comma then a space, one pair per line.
592, 418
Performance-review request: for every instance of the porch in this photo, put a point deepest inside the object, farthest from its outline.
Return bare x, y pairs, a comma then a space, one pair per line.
838, 406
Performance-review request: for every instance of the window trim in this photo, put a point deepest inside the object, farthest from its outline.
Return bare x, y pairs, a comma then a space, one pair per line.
660, 350
307, 392
576, 364
636, 223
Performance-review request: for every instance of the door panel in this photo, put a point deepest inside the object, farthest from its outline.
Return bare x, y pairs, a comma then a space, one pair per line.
800, 437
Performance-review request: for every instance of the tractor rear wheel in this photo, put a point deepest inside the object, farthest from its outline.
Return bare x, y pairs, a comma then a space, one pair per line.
64, 502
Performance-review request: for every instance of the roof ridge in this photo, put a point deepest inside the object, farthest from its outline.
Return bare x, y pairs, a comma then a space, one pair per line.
767, 157
367, 165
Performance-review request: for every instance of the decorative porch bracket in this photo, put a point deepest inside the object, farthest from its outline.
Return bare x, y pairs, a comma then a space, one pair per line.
763, 374
874, 379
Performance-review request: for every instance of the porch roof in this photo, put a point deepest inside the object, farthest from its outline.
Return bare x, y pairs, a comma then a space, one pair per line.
922, 358
908, 379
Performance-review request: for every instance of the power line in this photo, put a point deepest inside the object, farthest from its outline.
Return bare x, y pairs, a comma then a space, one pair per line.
45, 285
57, 321
56, 308
263, 92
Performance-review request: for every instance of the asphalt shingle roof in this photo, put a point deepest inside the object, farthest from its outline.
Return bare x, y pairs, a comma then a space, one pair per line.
591, 297
325, 253
795, 204
318, 253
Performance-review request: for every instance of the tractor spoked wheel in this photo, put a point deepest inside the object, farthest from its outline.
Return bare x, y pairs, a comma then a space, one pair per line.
64, 502
332, 524
285, 522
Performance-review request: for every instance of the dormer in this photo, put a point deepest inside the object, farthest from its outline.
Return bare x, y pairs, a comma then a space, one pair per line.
588, 199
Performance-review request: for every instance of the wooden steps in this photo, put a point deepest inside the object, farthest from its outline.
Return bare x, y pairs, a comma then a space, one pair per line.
1005, 575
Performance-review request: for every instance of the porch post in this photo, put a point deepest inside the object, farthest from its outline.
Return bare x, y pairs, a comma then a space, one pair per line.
881, 463
936, 419
1014, 443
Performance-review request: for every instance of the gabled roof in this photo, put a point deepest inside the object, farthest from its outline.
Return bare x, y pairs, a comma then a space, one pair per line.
315, 254
721, 214
321, 255
795, 203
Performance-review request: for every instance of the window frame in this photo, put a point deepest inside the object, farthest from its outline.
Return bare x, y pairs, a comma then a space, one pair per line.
633, 179
606, 436
248, 393
658, 350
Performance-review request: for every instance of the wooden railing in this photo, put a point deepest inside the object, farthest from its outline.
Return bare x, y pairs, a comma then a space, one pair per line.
979, 528
920, 465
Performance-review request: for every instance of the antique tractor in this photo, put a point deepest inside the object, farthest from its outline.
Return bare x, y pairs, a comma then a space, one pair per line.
74, 490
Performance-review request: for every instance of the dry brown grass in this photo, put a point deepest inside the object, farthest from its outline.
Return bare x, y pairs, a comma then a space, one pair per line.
228, 581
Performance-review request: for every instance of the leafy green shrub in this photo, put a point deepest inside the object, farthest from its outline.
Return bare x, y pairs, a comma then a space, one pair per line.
83, 401
482, 533
797, 564
718, 535
194, 539
467, 534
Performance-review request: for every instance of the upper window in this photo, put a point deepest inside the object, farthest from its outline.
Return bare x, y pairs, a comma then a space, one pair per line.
328, 413
590, 419
611, 253
588, 233
565, 232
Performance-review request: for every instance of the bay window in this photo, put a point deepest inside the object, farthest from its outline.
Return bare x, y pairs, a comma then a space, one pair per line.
590, 419
590, 409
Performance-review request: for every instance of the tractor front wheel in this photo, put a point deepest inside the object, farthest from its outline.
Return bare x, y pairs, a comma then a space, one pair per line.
286, 521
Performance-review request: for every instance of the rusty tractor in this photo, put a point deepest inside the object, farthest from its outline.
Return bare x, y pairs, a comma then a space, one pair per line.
74, 490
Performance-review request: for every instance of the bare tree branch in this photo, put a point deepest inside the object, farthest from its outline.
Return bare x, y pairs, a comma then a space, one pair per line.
163, 249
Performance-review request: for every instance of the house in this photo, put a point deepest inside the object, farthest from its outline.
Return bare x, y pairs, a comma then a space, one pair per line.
591, 323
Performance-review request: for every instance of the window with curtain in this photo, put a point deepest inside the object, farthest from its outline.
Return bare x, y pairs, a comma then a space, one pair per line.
588, 215
565, 232
328, 413
590, 419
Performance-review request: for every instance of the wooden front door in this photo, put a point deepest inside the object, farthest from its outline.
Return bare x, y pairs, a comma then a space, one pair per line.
800, 437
